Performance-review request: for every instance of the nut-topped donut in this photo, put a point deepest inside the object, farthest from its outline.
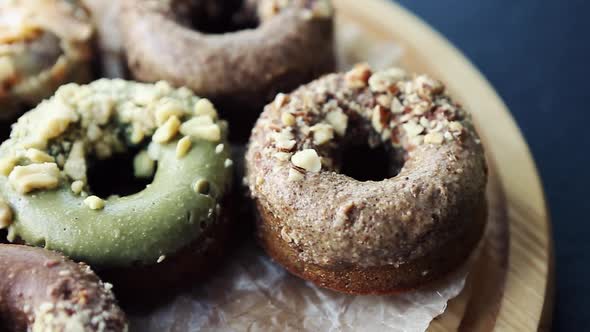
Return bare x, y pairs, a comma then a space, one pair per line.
41, 290
282, 44
368, 236
43, 44
171, 134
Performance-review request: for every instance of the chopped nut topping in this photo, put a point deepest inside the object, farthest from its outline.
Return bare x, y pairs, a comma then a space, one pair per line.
25, 179
167, 131
383, 81
281, 100
201, 186
287, 119
396, 106
376, 119
75, 165
205, 107
161, 259
308, 160
413, 129
358, 76
338, 120
384, 100
143, 165
219, 148
455, 126
322, 9
38, 156
7, 164
94, 202
201, 127
322, 133
433, 138
5, 214
77, 187
169, 108
183, 146
283, 156
294, 175
228, 163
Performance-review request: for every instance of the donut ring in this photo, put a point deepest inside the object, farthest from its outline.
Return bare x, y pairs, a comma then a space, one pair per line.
48, 200
244, 69
41, 290
374, 236
43, 44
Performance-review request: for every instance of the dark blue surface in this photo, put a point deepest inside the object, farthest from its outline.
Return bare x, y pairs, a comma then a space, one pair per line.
536, 53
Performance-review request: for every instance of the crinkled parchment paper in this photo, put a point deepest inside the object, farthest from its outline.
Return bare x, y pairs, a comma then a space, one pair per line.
252, 293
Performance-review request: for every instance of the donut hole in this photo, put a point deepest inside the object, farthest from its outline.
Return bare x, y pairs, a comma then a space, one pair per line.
216, 17
115, 175
362, 162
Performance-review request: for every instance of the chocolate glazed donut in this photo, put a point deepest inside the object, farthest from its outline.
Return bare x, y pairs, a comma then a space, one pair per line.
41, 290
281, 45
418, 224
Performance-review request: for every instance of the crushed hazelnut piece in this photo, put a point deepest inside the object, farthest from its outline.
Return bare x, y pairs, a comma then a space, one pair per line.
358, 76
413, 129
38, 156
287, 119
201, 127
5, 214
77, 187
294, 175
338, 120
183, 146
396, 106
455, 126
382, 81
283, 156
285, 144
167, 131
307, 159
219, 148
201, 186
25, 179
281, 100
94, 202
433, 138
322, 133
205, 107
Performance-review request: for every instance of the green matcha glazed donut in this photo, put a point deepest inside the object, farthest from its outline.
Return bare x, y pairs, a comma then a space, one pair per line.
44, 183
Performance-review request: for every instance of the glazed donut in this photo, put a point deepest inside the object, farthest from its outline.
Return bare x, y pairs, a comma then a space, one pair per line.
239, 70
41, 290
176, 138
43, 44
364, 237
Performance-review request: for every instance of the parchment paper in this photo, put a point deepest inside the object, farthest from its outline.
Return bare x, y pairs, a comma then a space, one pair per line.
252, 293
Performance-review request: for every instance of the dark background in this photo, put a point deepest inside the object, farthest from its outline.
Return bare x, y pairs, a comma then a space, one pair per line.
536, 54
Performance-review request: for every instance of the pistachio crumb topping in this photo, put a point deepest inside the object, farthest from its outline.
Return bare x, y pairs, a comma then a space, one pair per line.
5, 214
94, 202
77, 187
204, 107
168, 130
31, 177
183, 146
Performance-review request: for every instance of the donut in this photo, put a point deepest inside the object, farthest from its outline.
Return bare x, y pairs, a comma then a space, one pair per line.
377, 236
41, 290
169, 134
279, 45
43, 44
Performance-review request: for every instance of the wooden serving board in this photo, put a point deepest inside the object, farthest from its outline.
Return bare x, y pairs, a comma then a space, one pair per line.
511, 286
